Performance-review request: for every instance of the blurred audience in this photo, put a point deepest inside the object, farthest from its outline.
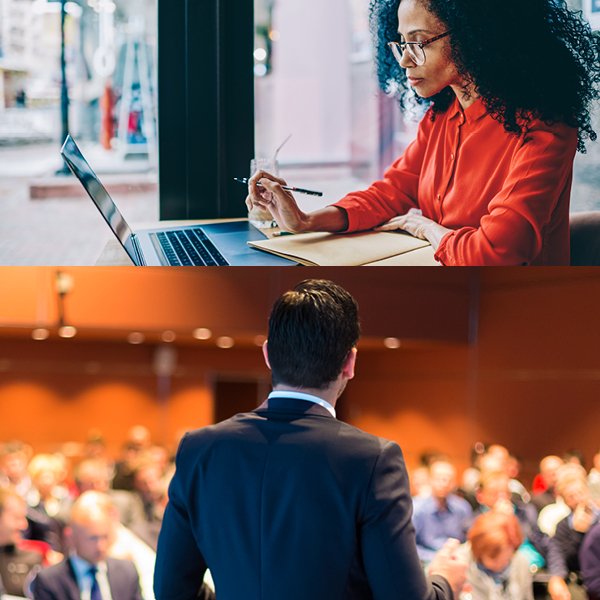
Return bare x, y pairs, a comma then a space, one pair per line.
442, 514
90, 571
551, 531
564, 546
494, 494
545, 481
497, 570
138, 440
18, 564
589, 559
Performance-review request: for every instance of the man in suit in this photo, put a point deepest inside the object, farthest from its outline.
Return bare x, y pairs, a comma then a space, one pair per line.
288, 502
18, 565
88, 572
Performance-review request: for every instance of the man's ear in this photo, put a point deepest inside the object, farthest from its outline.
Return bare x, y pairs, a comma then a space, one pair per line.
266, 353
349, 364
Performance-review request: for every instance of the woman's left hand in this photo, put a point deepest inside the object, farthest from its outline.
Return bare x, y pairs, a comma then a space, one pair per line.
417, 225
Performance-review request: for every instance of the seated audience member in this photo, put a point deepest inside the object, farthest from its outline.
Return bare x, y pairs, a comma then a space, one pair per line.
497, 570
419, 482
594, 477
494, 494
48, 499
14, 458
589, 560
575, 457
513, 468
443, 514
94, 474
138, 440
17, 565
552, 514
564, 546
151, 492
89, 572
545, 481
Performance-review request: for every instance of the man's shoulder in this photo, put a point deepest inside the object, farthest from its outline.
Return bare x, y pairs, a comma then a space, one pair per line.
55, 572
344, 435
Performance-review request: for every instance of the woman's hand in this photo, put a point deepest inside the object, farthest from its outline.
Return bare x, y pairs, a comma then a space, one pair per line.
417, 225
280, 203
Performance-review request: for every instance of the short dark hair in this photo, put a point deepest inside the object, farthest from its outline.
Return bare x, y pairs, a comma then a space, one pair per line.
312, 329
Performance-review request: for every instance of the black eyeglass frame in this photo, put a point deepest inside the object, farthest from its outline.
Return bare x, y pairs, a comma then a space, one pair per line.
402, 46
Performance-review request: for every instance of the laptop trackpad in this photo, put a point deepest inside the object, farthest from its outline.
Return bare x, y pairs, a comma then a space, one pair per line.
231, 238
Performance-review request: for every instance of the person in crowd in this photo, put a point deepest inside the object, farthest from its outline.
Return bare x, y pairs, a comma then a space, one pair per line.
497, 570
138, 440
544, 482
494, 494
287, 499
575, 456
594, 477
589, 559
14, 458
94, 474
89, 571
17, 564
151, 492
552, 514
443, 514
487, 180
564, 546
48, 499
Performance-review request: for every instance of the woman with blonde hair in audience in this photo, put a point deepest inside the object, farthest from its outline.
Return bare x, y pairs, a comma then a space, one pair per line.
497, 571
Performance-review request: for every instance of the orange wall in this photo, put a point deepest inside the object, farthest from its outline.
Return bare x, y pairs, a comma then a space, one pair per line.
530, 381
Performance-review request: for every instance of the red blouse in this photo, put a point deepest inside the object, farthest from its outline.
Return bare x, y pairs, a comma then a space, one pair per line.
505, 196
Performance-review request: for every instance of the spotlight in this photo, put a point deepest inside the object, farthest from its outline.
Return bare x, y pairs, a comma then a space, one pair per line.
168, 336
392, 343
202, 333
67, 331
136, 337
225, 342
40, 333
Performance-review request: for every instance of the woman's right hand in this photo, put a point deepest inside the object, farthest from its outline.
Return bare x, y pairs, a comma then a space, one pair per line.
279, 202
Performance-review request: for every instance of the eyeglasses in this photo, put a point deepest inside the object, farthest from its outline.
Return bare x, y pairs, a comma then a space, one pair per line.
416, 50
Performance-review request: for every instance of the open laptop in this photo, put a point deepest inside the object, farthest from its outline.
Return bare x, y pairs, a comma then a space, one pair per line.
190, 245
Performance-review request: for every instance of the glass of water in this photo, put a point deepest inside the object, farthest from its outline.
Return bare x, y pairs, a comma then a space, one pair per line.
260, 217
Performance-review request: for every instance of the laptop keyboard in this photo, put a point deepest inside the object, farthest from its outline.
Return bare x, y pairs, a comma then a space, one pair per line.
189, 247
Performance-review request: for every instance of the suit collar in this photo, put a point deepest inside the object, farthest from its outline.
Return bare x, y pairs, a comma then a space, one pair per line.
293, 406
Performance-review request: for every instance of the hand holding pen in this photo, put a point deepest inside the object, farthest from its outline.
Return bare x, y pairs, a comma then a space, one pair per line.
271, 193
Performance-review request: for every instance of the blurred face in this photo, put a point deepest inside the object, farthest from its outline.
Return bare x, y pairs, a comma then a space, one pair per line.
148, 481
13, 521
45, 481
442, 479
417, 24
495, 489
92, 538
576, 493
500, 562
548, 469
15, 466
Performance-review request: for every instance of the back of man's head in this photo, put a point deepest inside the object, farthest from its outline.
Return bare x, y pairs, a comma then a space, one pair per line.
312, 329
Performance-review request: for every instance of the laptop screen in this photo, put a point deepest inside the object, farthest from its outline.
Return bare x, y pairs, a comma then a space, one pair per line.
97, 192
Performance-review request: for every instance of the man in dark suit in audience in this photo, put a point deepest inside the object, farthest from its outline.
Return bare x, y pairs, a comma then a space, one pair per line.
288, 502
88, 572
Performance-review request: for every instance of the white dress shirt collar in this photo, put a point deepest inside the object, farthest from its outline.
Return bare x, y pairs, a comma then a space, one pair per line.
84, 578
307, 397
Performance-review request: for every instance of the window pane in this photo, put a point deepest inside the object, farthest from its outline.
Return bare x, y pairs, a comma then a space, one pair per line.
110, 52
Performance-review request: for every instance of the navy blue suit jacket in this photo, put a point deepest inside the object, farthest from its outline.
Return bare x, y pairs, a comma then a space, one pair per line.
59, 583
287, 502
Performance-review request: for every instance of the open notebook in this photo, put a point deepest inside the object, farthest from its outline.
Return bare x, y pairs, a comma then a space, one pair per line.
374, 248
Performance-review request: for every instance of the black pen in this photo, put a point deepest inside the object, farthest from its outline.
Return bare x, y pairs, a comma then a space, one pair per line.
244, 180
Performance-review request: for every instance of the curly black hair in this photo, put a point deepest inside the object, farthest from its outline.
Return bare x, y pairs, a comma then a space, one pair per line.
526, 59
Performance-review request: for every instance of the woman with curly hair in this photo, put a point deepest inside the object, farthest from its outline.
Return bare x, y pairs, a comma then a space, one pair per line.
509, 87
